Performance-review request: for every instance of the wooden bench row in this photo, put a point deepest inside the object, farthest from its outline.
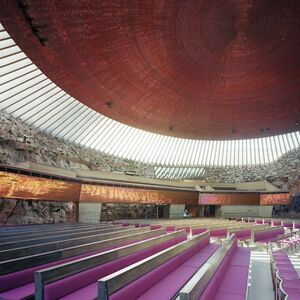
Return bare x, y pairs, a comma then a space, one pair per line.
17, 275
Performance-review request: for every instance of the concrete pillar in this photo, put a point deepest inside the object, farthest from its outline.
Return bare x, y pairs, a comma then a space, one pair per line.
176, 211
89, 212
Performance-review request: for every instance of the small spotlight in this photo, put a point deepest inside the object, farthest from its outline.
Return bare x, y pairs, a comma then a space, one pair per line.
233, 131
171, 128
109, 104
297, 123
262, 130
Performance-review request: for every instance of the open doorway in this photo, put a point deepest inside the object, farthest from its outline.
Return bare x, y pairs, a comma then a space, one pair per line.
210, 211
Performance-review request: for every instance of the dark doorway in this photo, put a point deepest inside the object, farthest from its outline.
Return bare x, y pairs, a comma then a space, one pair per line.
209, 211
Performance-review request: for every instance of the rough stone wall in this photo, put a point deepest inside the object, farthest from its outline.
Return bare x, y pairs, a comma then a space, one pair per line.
113, 211
20, 142
13, 212
283, 173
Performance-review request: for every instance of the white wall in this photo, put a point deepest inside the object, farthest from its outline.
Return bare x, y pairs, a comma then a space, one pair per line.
245, 211
89, 212
176, 211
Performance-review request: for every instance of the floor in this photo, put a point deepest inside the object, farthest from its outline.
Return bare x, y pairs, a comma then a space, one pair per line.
260, 281
295, 259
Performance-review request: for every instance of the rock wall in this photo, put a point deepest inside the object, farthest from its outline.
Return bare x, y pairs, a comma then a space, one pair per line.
13, 212
112, 211
283, 173
20, 142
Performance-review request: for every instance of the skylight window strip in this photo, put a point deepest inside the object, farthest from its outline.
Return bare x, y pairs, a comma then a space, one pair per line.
61, 108
85, 129
165, 154
101, 128
86, 139
114, 143
80, 122
110, 135
12, 58
43, 111
120, 145
291, 137
296, 138
10, 71
106, 124
20, 75
9, 50
6, 43
4, 55
68, 115
28, 92
23, 82
40, 99
138, 144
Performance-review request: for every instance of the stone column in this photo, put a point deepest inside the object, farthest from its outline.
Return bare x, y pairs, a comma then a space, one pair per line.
89, 212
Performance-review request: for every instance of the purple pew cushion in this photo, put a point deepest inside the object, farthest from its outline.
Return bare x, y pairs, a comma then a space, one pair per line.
210, 291
218, 232
18, 293
138, 287
173, 282
167, 287
235, 281
87, 292
78, 281
196, 231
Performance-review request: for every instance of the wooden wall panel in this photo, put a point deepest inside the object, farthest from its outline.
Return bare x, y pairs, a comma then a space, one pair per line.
229, 199
18, 186
91, 193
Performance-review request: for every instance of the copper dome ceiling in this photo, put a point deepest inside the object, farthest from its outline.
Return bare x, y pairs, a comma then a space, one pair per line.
223, 69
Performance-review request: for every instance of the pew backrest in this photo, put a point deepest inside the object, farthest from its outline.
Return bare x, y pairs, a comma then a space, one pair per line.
112, 239
111, 283
46, 276
197, 284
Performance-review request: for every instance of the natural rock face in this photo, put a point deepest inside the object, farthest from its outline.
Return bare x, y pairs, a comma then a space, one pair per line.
19, 142
112, 211
14, 212
283, 173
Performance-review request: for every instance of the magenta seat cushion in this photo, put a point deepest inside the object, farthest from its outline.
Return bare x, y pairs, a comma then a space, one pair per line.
167, 287
138, 287
87, 292
18, 293
70, 284
235, 281
198, 230
210, 291
199, 258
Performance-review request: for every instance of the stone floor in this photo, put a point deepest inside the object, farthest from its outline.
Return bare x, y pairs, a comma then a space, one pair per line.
260, 281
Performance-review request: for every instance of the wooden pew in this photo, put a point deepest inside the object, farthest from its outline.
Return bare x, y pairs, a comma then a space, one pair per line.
110, 240
19, 235
67, 278
266, 235
225, 273
161, 274
18, 275
40, 243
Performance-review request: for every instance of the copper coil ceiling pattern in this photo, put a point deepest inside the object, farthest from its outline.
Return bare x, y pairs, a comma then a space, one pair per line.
217, 70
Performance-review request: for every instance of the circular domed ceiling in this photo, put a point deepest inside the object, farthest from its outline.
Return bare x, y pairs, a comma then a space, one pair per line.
223, 69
